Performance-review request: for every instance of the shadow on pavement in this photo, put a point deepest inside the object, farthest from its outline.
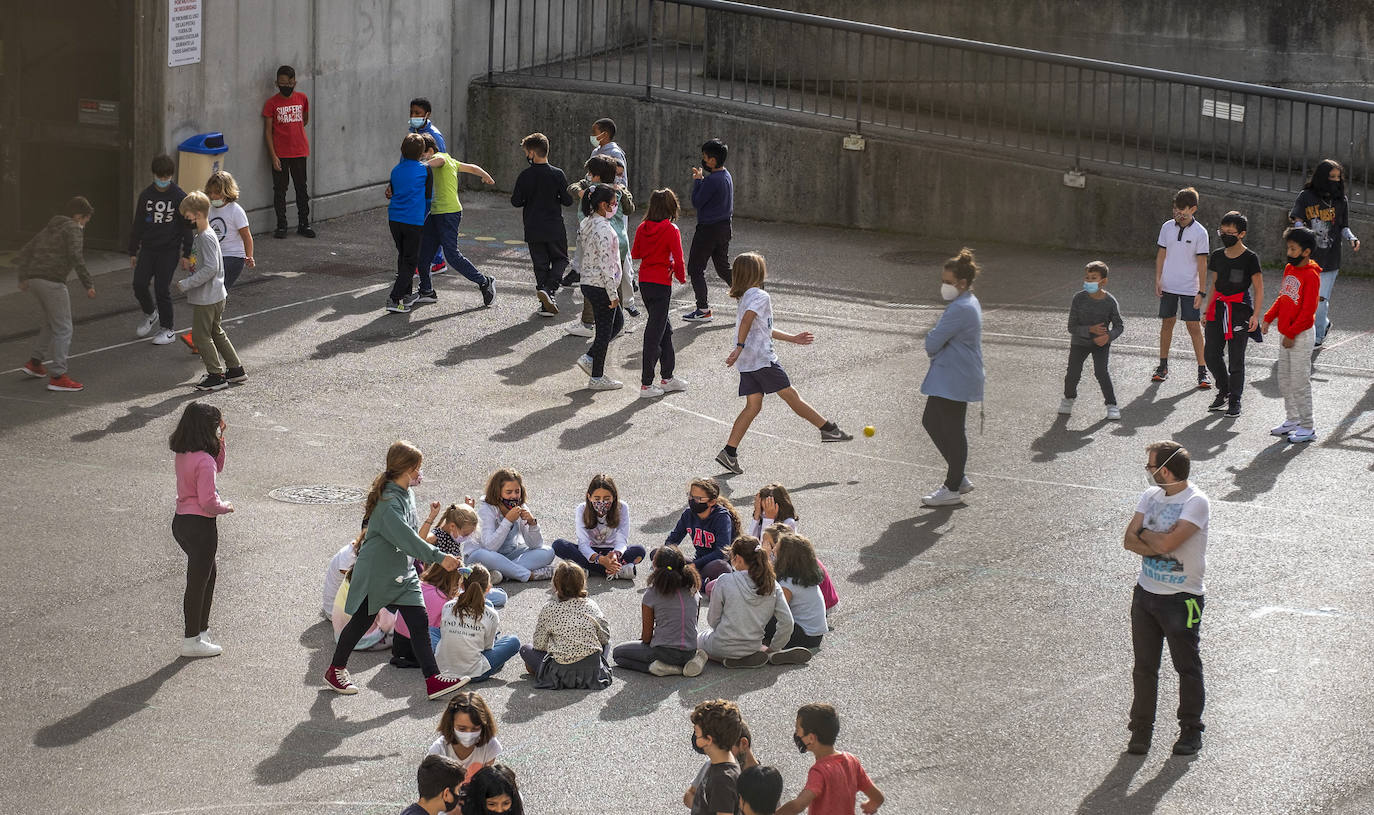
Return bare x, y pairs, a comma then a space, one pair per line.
543, 419
602, 428
1058, 438
1148, 410
387, 328
309, 744
139, 416
1263, 471
108, 710
1112, 798
901, 543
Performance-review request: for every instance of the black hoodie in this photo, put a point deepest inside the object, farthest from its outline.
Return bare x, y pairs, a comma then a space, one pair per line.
157, 224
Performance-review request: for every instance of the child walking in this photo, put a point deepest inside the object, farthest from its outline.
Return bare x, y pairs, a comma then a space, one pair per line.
441, 225
1180, 281
742, 603
1295, 311
604, 170
712, 523
44, 264
409, 194
753, 356
198, 442
158, 240
834, 782
602, 272
1094, 321
1232, 315
511, 540
570, 637
713, 197
467, 733
541, 192
469, 641
383, 577
603, 533
667, 644
207, 295
658, 247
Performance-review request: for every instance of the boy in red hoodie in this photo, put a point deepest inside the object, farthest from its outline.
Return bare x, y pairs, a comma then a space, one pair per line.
658, 248
1295, 311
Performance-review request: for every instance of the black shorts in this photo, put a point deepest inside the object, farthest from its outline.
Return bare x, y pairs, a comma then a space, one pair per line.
1171, 304
765, 380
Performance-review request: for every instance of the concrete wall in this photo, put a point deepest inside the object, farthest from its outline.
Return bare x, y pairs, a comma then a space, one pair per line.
796, 170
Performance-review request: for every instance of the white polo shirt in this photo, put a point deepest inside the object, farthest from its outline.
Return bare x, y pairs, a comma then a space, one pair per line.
1181, 250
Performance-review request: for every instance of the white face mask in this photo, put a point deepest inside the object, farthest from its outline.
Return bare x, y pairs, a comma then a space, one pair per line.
468, 739
1150, 474
949, 291
595, 142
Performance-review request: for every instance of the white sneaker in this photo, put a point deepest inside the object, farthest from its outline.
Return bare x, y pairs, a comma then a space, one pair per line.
496, 577
943, 497
965, 486
660, 668
1113, 413
193, 647
1065, 406
585, 363
627, 572
604, 383
672, 385
1301, 434
546, 573
205, 637
1284, 429
695, 664
146, 327
580, 329
650, 391
164, 338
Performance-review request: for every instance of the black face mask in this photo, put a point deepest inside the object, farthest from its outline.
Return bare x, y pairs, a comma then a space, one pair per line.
1295, 259
801, 745
1229, 240
697, 506
511, 503
694, 745
284, 90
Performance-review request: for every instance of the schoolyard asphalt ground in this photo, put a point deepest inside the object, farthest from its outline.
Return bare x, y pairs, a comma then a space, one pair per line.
980, 657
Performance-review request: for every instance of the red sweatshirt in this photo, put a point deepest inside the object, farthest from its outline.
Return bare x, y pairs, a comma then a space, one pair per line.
658, 244
1295, 309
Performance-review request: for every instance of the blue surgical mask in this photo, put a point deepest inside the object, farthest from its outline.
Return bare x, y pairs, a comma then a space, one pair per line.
162, 184
417, 123
595, 142
1090, 287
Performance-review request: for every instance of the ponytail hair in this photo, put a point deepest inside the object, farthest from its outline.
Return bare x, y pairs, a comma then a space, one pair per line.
963, 265
747, 548
712, 489
596, 195
449, 583
401, 457
473, 601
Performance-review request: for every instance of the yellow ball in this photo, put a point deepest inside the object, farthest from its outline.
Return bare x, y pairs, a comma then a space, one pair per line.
869, 431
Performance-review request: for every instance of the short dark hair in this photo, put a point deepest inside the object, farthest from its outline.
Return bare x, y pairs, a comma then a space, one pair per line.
821, 721
430, 143
761, 788
602, 169
716, 149
1099, 267
1235, 219
537, 142
438, 773
163, 166
423, 104
412, 146
1179, 462
195, 431
720, 721
663, 206
1186, 197
77, 205
672, 572
1302, 236
605, 126
286, 71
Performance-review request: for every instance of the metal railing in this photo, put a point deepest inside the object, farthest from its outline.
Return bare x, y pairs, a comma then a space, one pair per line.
1086, 111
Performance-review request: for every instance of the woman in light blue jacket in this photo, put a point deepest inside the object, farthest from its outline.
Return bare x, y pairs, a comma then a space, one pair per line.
955, 378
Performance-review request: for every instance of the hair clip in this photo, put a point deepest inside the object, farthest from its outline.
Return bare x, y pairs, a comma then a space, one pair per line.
465, 571
669, 568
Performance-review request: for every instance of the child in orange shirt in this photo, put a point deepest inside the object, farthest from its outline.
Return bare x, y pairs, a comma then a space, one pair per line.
1295, 311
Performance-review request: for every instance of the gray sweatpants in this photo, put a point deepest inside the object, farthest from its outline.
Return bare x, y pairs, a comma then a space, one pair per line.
55, 333
1295, 378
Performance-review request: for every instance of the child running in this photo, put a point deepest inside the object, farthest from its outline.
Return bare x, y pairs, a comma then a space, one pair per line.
408, 193
1094, 321
383, 577
467, 733
440, 230
712, 522
511, 540
759, 371
658, 247
570, 637
742, 603
603, 534
598, 248
470, 641
667, 643
836, 779
541, 192
43, 265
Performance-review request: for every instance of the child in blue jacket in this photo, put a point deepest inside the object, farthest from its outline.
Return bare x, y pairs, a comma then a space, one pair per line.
410, 191
712, 522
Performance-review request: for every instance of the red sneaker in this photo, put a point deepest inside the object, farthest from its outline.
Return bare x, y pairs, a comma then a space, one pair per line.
35, 369
186, 338
64, 383
338, 680
444, 684
438, 268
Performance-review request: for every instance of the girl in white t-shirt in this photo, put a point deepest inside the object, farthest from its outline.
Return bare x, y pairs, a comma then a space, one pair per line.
230, 223
469, 631
467, 733
759, 371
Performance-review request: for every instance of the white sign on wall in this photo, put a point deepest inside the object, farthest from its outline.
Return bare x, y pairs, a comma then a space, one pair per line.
183, 32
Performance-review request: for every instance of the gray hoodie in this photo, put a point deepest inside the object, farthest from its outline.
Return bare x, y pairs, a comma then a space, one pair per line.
205, 286
738, 614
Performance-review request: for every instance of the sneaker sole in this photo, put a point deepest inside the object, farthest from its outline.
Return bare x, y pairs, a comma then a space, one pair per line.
397, 310
216, 387
698, 319
614, 387
643, 394
550, 307
238, 380
27, 372
1303, 440
160, 341
757, 659
1280, 433
790, 656
845, 437
452, 688
734, 468
64, 389
349, 691
672, 390
657, 672
695, 665
1204, 386
585, 366
949, 502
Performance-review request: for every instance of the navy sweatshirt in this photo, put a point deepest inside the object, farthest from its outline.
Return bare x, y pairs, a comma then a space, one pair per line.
709, 537
713, 197
158, 225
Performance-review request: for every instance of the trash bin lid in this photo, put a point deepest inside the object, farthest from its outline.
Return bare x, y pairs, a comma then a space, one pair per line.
206, 143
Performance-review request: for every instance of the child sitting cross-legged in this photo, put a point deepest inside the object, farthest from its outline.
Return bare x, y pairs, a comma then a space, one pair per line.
667, 644
570, 637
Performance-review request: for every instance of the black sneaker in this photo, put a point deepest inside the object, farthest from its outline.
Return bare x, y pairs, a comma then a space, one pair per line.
1161, 373
212, 382
488, 291
1189, 742
1219, 403
425, 297
1204, 380
572, 278
700, 315
1233, 409
305, 231
758, 659
632, 311
547, 307
1330, 324
236, 375
729, 462
835, 435
1139, 744
280, 232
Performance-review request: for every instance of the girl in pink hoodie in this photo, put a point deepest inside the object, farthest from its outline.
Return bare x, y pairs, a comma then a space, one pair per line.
198, 442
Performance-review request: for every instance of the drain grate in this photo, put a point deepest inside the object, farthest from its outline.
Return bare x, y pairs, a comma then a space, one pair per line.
318, 494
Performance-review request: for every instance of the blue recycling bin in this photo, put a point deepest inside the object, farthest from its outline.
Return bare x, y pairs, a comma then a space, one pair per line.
198, 157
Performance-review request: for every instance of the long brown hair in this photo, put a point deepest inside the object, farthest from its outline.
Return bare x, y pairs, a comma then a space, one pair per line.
473, 601
747, 272
498, 479
760, 568
475, 707
712, 489
449, 583
797, 561
401, 457
663, 206
784, 501
601, 481
196, 431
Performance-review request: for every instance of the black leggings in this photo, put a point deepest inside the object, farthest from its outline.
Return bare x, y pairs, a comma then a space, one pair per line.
658, 332
609, 322
417, 620
944, 422
198, 537
1226, 358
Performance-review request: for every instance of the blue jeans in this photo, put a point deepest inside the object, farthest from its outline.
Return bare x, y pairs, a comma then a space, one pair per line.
1324, 303
568, 550
442, 231
498, 655
518, 569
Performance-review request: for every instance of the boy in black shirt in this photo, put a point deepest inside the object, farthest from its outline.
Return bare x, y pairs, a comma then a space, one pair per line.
715, 729
542, 191
159, 240
1232, 272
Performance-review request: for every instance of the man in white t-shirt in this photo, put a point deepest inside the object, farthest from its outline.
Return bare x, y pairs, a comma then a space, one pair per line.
1169, 532
1181, 281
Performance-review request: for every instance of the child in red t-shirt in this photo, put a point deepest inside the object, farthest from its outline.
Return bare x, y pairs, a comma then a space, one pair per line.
1295, 311
836, 779
284, 119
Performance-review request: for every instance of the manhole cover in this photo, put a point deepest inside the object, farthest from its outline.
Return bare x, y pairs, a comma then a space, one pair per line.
318, 494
